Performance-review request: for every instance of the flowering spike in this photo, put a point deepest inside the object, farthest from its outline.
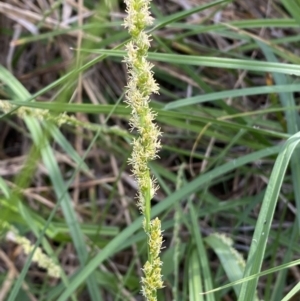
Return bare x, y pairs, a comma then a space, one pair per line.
141, 85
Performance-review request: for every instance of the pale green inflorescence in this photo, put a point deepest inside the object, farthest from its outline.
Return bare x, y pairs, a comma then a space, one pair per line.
41, 115
59, 119
141, 85
152, 268
229, 242
39, 257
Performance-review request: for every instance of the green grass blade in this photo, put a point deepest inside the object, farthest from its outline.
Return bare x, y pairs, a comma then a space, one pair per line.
206, 61
292, 293
293, 123
294, 9
204, 270
195, 283
231, 94
262, 229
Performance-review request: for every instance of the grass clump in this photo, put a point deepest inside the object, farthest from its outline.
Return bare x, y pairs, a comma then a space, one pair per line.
228, 203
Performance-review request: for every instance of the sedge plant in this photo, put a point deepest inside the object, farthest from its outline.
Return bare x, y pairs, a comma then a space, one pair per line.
141, 85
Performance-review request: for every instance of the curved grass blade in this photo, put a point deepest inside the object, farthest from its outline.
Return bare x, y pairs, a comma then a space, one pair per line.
262, 229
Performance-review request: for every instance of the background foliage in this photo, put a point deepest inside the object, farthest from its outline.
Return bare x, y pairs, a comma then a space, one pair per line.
228, 171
